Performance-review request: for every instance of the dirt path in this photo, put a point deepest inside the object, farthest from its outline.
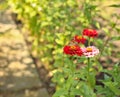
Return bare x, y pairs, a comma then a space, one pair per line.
18, 75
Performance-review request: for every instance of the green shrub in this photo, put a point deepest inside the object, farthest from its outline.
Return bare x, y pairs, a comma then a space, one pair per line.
52, 23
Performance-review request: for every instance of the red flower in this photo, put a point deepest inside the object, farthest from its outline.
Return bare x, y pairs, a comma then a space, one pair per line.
79, 39
90, 32
79, 52
72, 50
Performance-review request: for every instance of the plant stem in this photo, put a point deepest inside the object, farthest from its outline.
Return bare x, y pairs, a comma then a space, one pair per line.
89, 41
71, 74
88, 69
88, 64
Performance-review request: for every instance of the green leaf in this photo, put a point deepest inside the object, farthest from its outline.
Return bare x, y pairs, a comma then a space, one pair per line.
88, 92
76, 92
100, 89
81, 59
97, 25
80, 74
60, 92
92, 79
117, 29
60, 42
66, 70
115, 38
69, 82
106, 31
43, 24
99, 41
113, 87
115, 5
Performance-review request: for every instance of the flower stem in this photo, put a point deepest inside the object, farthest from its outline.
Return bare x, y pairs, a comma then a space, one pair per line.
88, 64
89, 41
88, 69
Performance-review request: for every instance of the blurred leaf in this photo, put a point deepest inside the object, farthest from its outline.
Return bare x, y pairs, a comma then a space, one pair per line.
115, 5
3, 5
81, 59
117, 29
45, 23
106, 31
97, 25
60, 42
92, 79
114, 38
112, 87
88, 92
76, 91
60, 92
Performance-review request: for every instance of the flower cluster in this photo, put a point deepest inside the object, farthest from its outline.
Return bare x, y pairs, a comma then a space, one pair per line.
75, 49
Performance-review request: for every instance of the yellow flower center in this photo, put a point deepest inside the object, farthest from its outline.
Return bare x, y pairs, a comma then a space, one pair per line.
89, 49
90, 30
73, 47
79, 37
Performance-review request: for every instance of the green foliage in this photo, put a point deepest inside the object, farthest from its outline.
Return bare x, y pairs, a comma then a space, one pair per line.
115, 5
111, 82
52, 23
3, 5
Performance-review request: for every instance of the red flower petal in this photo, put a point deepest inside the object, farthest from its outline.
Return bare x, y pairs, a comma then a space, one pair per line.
90, 33
79, 39
72, 50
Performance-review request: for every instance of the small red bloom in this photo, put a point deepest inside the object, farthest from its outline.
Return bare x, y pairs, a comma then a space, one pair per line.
90, 32
66, 49
79, 39
72, 50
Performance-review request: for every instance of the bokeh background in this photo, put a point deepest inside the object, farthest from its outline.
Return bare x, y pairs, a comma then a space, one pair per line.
33, 33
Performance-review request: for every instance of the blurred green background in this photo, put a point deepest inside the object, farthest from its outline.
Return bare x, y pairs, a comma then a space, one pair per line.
50, 24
